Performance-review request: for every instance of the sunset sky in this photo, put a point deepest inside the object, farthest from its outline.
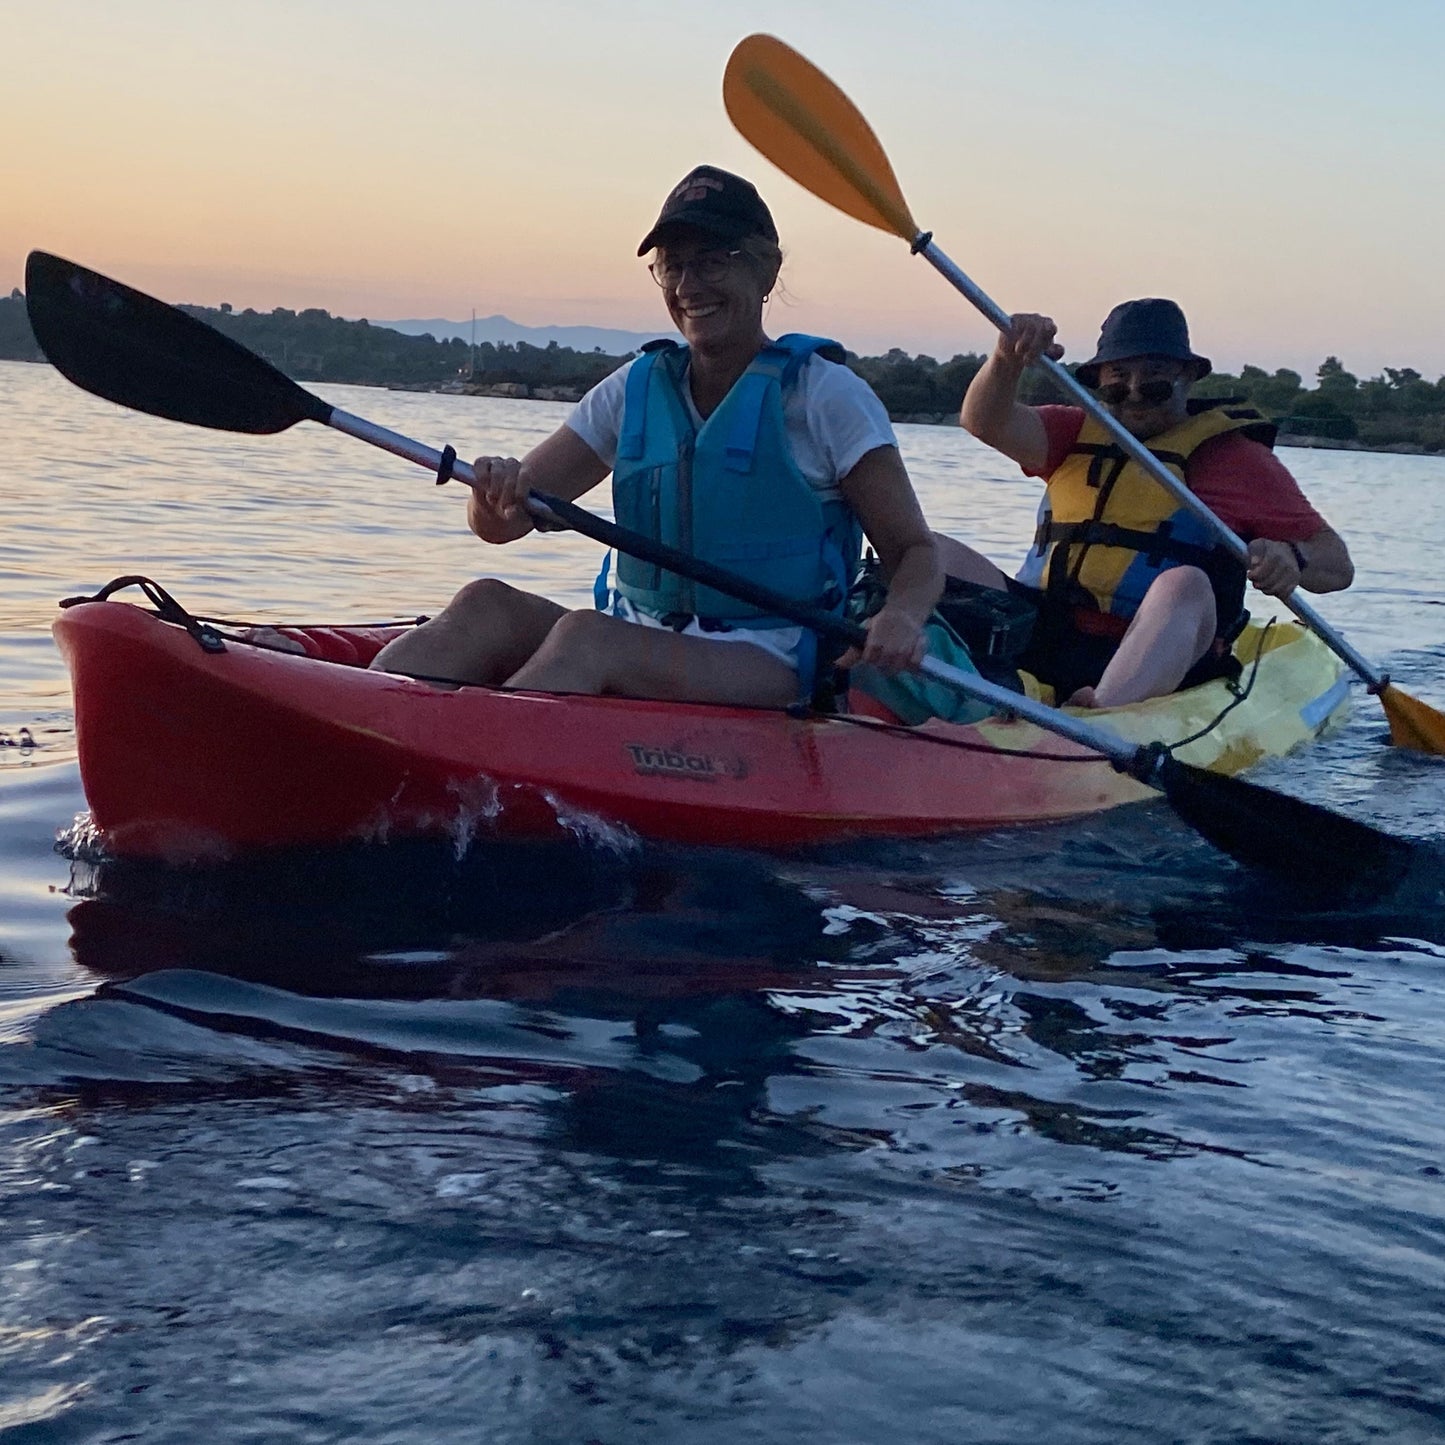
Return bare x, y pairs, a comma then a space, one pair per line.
1279, 168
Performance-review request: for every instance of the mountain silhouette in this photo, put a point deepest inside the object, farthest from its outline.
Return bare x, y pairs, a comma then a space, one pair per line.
496, 329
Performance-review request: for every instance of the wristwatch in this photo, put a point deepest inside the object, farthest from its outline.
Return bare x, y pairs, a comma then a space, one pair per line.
1301, 561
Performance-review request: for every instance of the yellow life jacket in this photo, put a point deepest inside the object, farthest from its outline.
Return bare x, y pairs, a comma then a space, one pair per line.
1108, 529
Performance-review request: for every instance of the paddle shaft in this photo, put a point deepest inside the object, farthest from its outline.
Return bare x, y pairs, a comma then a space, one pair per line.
1232, 814
1139, 453
543, 508
1124, 755
396, 444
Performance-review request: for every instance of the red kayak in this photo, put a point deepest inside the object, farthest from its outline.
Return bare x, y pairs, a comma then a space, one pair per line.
191, 755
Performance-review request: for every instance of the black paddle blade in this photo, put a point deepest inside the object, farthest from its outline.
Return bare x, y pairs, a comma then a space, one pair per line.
1311, 848
129, 348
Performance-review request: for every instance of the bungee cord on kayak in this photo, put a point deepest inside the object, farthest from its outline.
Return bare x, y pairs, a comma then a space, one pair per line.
1239, 694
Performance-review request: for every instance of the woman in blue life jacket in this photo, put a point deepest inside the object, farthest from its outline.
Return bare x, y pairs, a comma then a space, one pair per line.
769, 458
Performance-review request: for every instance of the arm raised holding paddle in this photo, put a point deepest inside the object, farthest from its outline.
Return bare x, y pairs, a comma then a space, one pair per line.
991, 408
810, 130
1135, 596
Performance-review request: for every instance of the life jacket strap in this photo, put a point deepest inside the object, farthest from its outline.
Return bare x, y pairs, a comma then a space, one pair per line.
742, 438
602, 584
634, 408
779, 362
1155, 545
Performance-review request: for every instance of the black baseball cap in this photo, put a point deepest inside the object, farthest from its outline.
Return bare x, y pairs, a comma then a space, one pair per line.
1151, 327
715, 201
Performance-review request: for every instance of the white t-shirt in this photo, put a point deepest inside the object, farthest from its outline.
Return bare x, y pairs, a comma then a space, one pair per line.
832, 418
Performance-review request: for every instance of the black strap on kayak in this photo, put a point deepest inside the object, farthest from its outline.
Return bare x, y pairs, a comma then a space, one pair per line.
1240, 691
166, 608
917, 735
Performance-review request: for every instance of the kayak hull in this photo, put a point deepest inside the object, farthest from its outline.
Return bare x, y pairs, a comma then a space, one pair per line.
188, 756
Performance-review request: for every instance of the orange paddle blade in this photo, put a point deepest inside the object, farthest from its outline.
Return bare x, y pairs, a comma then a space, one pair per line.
808, 128
1413, 724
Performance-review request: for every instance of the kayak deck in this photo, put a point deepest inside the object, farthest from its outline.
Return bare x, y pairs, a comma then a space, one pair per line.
188, 755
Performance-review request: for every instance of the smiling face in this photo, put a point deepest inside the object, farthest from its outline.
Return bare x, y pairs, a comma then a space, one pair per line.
1147, 394
714, 292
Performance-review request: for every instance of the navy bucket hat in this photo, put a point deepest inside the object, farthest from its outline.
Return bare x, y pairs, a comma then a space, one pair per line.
1151, 327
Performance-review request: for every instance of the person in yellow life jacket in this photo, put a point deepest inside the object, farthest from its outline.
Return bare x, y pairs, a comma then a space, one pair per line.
1134, 596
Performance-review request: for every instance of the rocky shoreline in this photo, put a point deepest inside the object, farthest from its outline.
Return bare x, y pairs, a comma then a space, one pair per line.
514, 390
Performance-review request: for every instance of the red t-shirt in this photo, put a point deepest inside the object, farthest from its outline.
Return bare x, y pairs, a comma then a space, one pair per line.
1241, 481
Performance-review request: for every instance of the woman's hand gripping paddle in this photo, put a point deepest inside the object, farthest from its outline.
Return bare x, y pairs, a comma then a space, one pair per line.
132, 349
808, 128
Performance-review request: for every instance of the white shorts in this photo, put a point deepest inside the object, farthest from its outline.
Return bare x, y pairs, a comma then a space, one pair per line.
784, 643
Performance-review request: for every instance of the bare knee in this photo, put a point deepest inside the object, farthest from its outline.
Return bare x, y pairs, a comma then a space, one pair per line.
489, 607
577, 644
487, 597
1185, 593
577, 634
483, 635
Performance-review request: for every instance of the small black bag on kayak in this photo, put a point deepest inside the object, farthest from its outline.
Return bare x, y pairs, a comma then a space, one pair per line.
996, 625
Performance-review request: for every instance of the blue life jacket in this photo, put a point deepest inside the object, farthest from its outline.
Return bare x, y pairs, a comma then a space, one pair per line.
728, 492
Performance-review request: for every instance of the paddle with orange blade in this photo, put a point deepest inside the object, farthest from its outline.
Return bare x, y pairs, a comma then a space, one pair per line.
807, 127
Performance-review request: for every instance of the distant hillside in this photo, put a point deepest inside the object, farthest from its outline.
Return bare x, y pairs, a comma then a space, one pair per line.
1399, 410
313, 345
501, 329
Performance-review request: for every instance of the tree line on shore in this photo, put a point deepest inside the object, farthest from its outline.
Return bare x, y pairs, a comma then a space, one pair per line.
1398, 408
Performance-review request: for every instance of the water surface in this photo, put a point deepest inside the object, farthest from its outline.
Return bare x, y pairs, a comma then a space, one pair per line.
1068, 1134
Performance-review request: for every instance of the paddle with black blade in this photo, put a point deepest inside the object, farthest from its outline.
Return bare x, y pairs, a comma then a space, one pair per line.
808, 128
1326, 850
132, 349
120, 344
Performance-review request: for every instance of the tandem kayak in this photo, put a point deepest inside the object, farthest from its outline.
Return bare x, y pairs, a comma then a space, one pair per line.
191, 755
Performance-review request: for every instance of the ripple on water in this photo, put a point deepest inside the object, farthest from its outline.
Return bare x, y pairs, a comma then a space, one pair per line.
1073, 1134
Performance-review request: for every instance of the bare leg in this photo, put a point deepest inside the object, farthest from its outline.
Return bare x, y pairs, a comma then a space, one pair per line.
484, 634
590, 652
960, 560
1170, 632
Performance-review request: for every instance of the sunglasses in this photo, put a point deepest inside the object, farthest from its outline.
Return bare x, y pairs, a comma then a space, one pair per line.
1150, 393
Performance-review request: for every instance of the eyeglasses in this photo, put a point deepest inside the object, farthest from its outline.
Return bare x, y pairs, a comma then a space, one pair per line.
709, 267
1150, 393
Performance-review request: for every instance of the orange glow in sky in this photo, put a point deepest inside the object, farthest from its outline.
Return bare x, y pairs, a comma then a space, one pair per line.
1281, 179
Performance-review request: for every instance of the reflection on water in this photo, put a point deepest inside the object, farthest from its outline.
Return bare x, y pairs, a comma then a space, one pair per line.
1066, 1134
609, 1142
